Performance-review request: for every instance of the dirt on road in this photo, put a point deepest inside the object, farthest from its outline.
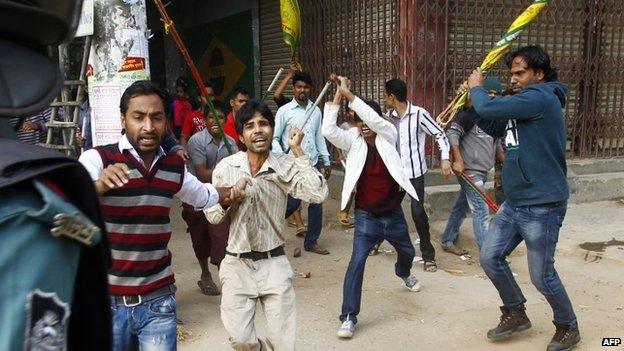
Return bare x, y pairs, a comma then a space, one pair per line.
456, 305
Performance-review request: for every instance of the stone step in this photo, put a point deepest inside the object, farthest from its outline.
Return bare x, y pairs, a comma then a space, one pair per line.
595, 166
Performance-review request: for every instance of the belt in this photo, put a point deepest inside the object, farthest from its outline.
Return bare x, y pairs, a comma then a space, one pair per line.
259, 255
135, 300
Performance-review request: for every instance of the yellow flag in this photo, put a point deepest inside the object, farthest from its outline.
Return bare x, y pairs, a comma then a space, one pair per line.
291, 24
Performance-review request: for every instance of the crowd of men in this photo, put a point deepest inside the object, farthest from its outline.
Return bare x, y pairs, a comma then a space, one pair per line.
242, 170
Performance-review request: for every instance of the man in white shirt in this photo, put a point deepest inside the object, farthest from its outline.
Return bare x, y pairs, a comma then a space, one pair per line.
413, 124
136, 181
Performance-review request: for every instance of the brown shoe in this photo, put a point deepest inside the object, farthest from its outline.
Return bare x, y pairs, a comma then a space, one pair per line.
511, 321
318, 250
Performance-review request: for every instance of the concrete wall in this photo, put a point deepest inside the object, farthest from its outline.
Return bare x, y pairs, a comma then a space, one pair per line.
191, 13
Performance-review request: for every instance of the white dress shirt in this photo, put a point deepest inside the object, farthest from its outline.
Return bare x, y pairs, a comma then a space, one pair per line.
413, 128
193, 192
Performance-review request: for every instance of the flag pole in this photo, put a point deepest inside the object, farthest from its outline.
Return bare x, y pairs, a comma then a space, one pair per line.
491, 203
170, 28
496, 53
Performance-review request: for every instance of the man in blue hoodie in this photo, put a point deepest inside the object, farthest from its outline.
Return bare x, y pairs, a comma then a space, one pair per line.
534, 181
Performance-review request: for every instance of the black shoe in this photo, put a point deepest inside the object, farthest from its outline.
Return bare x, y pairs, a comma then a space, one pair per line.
512, 321
565, 338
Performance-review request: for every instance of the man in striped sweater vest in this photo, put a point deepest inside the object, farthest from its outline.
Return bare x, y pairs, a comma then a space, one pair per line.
136, 181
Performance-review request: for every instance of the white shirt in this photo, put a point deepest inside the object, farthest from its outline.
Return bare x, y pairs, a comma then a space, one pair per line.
193, 192
354, 144
413, 128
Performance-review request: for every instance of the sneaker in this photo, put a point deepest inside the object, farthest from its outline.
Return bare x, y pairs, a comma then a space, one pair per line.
412, 283
512, 321
346, 329
565, 338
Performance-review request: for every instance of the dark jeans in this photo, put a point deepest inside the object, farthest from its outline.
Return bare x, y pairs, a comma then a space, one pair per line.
421, 220
370, 229
539, 227
315, 220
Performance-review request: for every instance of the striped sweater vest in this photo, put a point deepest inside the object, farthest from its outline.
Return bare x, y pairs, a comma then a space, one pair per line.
137, 220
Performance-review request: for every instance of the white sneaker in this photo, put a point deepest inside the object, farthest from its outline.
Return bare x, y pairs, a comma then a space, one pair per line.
412, 283
346, 329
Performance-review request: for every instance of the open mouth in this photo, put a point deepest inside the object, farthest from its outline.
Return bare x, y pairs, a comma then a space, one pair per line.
148, 140
259, 142
366, 130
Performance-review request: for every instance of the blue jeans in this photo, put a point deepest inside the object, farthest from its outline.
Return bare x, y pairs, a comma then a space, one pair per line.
468, 199
369, 230
539, 227
150, 326
315, 220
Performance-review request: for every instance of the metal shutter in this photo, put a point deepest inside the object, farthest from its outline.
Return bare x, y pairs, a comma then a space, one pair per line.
273, 53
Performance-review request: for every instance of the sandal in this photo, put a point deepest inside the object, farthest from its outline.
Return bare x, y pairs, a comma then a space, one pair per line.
209, 289
375, 250
430, 266
345, 221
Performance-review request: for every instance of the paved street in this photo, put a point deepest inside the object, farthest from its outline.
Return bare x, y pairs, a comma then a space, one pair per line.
453, 310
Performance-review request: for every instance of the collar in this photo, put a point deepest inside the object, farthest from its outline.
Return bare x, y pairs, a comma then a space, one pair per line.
408, 111
241, 161
209, 136
293, 104
124, 144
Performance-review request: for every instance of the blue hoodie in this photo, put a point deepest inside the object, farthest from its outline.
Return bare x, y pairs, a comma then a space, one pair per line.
532, 123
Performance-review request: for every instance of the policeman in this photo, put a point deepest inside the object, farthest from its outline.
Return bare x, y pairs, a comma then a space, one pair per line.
53, 251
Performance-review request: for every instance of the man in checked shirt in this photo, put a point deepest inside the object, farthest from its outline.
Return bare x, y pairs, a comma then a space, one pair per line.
255, 267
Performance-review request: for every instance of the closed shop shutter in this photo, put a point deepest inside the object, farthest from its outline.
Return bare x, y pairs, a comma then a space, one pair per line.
273, 53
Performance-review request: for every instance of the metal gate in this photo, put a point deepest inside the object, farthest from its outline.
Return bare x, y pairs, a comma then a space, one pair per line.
353, 38
434, 44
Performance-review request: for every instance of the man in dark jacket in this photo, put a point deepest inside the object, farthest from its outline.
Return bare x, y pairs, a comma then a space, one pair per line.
54, 250
534, 181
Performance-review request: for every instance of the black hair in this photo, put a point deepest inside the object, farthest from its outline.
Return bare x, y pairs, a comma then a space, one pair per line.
249, 109
239, 90
398, 88
374, 105
218, 105
140, 87
302, 77
536, 58
183, 83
